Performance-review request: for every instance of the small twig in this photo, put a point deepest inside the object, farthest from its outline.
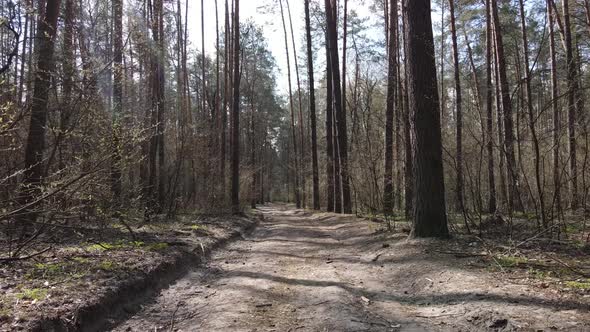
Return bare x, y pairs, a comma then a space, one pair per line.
571, 268
370, 323
211, 294
436, 316
461, 254
376, 257
22, 258
174, 316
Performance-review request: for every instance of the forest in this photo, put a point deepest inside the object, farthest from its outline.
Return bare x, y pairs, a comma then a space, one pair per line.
405, 165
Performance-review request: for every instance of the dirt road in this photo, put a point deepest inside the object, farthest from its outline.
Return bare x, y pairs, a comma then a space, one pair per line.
321, 272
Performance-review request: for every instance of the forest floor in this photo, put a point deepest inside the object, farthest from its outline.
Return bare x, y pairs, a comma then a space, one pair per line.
303, 271
85, 274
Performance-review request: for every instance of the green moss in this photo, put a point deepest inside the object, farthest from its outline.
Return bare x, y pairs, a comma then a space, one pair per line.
32, 294
157, 246
197, 227
510, 261
539, 274
107, 265
584, 285
103, 246
45, 270
81, 260
4, 310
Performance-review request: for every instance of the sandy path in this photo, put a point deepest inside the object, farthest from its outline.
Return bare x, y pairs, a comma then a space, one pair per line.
320, 272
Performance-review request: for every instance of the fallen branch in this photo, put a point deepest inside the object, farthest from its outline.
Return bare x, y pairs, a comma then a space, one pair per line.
569, 267
22, 258
462, 254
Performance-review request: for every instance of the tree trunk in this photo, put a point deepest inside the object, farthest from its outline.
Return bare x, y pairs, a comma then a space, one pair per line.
458, 109
312, 115
235, 164
513, 199
35, 146
330, 183
226, 99
340, 116
530, 111
293, 130
390, 110
300, 113
430, 219
409, 153
555, 109
489, 113
572, 91
118, 102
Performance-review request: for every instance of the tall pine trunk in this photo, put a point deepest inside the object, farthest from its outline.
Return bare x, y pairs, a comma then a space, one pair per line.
555, 109
390, 110
35, 145
235, 160
492, 205
300, 114
342, 135
330, 183
118, 102
293, 127
572, 109
458, 109
430, 218
312, 115
505, 98
531, 115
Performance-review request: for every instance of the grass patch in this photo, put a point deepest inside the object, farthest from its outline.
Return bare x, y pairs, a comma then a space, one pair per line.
583, 285
32, 294
107, 265
81, 260
157, 246
120, 245
197, 227
46, 270
510, 261
4, 310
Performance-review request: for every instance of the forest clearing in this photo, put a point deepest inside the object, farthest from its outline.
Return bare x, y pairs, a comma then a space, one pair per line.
310, 165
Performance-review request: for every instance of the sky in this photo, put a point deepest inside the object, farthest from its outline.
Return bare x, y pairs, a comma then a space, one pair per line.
272, 27
272, 24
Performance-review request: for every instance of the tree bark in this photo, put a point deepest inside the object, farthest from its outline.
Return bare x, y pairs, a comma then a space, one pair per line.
530, 111
312, 115
555, 109
489, 113
116, 185
430, 219
235, 165
340, 116
293, 130
300, 114
330, 183
513, 199
572, 109
35, 146
458, 109
390, 111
